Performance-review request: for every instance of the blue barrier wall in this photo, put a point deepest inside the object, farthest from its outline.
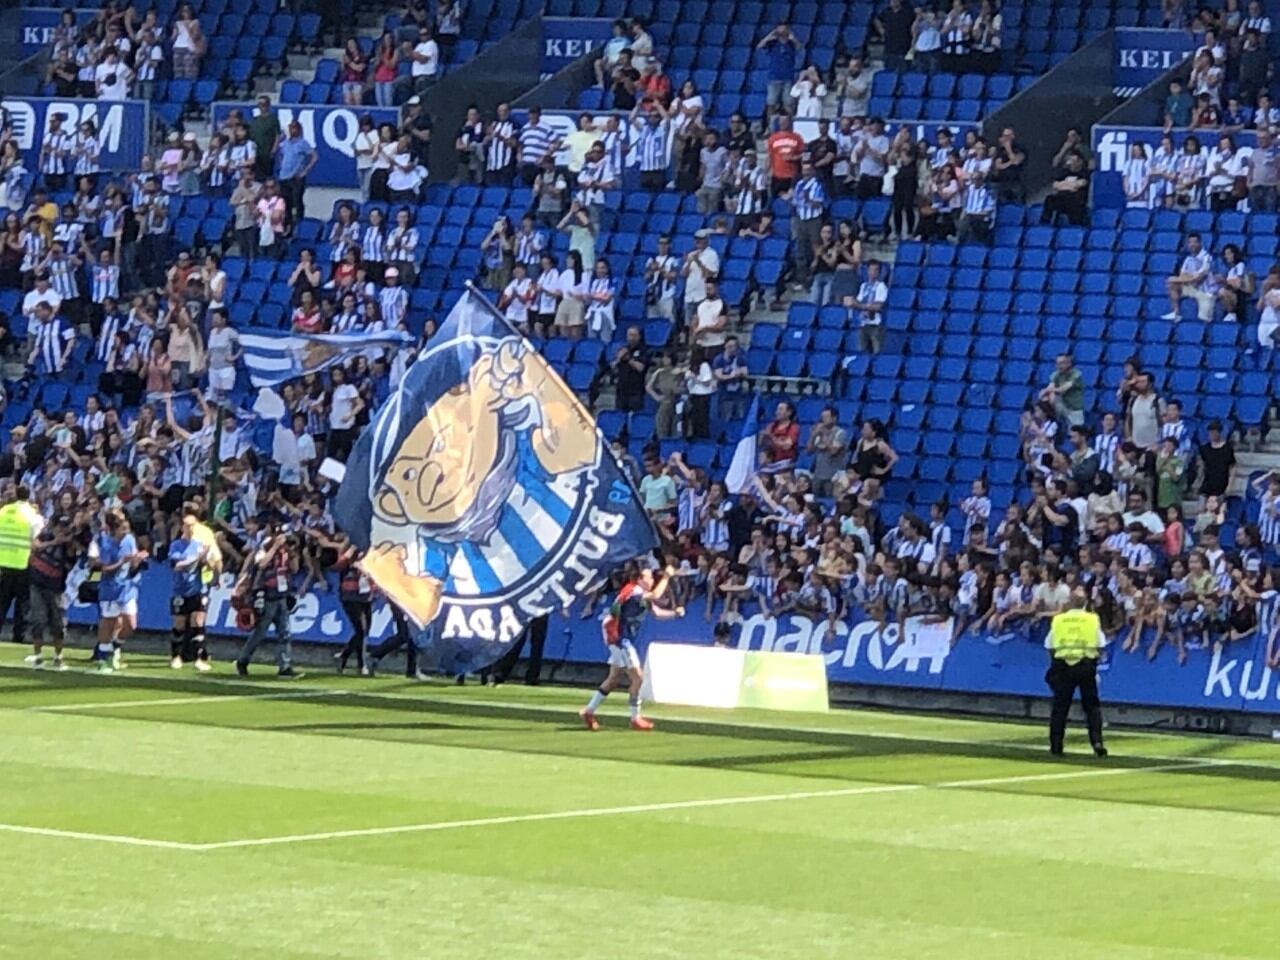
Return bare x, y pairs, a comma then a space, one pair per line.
122, 127
1236, 679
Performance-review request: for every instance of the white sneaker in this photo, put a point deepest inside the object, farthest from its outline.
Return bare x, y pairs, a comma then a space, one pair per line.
175, 663
116, 659
59, 664
1231, 318
33, 661
421, 677
203, 666
1171, 315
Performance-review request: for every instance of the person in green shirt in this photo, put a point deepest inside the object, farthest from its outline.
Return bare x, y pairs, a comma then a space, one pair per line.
264, 131
666, 384
1066, 391
1171, 475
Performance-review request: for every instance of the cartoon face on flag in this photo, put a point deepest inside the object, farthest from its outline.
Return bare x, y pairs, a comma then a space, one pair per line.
482, 492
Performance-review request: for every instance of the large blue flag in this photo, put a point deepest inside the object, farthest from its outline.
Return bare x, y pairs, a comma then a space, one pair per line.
484, 493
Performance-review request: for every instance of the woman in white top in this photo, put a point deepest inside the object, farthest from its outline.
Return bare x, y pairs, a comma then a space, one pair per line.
405, 177
547, 299
573, 283
686, 121
215, 281
927, 40
382, 164
366, 148
808, 92
188, 44
700, 383
1222, 167
516, 297
1189, 182
1137, 177
601, 302
1235, 286
1206, 77
1269, 321
344, 235
1163, 172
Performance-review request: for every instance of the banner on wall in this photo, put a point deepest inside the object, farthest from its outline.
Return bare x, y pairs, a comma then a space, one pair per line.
36, 26
122, 127
330, 129
1235, 679
1141, 55
565, 39
1111, 147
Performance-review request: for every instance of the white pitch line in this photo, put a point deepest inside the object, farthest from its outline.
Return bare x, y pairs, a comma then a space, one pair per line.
591, 812
180, 701
99, 837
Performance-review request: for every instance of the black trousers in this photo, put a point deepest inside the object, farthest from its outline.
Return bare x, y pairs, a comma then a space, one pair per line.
1064, 680
535, 634
15, 588
401, 638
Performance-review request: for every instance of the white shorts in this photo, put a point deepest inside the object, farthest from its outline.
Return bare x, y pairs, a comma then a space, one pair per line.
1205, 302
623, 654
109, 609
223, 379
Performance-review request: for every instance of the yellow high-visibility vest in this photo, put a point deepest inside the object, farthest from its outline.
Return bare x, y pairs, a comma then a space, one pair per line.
203, 535
1075, 635
16, 528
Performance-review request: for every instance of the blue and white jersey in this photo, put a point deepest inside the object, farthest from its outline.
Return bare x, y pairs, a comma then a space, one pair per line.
1267, 612
1137, 182
402, 245
106, 282
614, 149
977, 513
373, 245
1105, 446
499, 154
53, 153
1269, 519
715, 528
86, 151
536, 140
592, 174
69, 233
347, 323
529, 247
34, 248
808, 198
51, 342
752, 183
1181, 434
1137, 556
897, 596
107, 336
62, 277
1116, 542
344, 237
394, 302
650, 145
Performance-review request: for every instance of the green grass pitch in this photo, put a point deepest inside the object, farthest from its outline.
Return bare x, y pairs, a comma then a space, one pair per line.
155, 815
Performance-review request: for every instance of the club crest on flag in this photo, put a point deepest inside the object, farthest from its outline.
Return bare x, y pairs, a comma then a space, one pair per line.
483, 492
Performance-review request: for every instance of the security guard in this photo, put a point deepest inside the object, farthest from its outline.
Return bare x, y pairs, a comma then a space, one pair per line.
1075, 638
19, 524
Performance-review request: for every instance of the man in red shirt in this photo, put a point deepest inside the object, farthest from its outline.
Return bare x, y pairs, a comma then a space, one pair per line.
786, 147
653, 85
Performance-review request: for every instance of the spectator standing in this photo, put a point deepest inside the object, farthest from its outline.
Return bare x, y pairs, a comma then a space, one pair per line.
829, 444
854, 88
650, 145
714, 163
808, 210
244, 204
700, 385
538, 142
1008, 167
550, 190
731, 373
871, 156
894, 24
661, 272
501, 148
297, 157
187, 41
355, 68
786, 148
424, 57
366, 150
112, 77
665, 386
808, 93
264, 131
1066, 391
272, 216
1264, 173
926, 44
957, 36
1144, 414
1217, 462
987, 39
701, 264
708, 332
781, 47
448, 26
630, 370
870, 302
385, 70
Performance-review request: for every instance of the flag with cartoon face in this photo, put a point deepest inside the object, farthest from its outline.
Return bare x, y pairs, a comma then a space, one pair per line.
483, 492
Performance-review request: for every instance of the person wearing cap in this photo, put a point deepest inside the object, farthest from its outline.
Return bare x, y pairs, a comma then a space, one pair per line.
417, 125
701, 264
264, 131
1074, 642
297, 157
20, 522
